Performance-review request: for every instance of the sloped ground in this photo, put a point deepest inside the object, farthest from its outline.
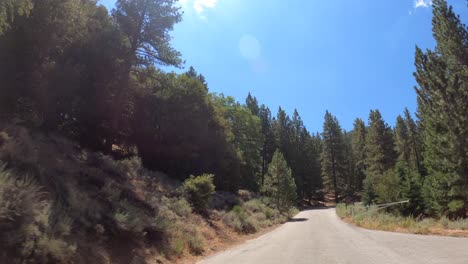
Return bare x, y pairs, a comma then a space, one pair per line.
60, 203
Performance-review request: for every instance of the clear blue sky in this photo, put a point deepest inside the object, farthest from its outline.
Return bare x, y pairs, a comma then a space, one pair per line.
314, 55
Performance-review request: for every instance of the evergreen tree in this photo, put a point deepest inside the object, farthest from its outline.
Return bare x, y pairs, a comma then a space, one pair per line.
313, 179
442, 78
415, 144
350, 164
407, 167
282, 132
252, 104
402, 141
380, 154
297, 153
247, 139
279, 184
359, 153
269, 143
192, 73
144, 26
333, 163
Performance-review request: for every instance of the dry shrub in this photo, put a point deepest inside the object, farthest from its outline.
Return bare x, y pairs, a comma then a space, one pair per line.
28, 232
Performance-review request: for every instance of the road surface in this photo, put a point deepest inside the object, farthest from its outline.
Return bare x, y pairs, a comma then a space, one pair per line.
319, 236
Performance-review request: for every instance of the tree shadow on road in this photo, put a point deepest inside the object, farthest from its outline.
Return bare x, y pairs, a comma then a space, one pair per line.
308, 208
297, 220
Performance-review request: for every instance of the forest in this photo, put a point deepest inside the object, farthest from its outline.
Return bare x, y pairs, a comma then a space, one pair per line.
73, 71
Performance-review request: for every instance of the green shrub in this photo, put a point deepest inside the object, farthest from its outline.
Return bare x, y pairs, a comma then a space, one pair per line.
341, 210
196, 242
198, 190
250, 225
177, 247
240, 220
255, 205
178, 205
269, 213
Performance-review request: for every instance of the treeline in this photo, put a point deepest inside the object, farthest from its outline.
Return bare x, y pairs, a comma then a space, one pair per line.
70, 66
423, 160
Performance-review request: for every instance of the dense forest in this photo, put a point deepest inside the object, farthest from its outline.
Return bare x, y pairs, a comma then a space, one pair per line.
93, 76
71, 67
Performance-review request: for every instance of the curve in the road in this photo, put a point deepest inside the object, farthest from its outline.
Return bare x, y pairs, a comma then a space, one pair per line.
319, 236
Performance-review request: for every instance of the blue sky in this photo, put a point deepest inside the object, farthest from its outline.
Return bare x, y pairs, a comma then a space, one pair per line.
314, 55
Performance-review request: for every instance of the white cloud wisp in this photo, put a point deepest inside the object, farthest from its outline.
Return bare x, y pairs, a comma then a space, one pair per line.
422, 3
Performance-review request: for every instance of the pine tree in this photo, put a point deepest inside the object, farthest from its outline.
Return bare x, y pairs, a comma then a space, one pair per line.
296, 159
145, 27
333, 156
279, 184
252, 104
380, 154
359, 153
192, 73
415, 159
312, 180
316, 166
282, 132
349, 160
442, 77
247, 139
407, 167
269, 143
402, 141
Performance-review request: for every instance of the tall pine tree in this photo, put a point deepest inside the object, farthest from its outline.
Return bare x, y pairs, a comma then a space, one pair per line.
269, 143
407, 167
380, 154
359, 153
442, 77
333, 156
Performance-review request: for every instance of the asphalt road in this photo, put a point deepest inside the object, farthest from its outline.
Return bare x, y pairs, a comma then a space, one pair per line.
319, 236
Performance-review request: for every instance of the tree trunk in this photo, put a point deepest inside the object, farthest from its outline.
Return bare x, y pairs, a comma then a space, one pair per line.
335, 185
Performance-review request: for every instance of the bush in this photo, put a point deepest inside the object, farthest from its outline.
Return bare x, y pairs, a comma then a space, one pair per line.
132, 218
178, 205
179, 227
341, 210
198, 190
196, 242
26, 229
241, 221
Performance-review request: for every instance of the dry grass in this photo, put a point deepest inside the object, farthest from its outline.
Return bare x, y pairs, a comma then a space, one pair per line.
371, 218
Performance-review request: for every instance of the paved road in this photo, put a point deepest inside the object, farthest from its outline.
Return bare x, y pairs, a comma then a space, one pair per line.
319, 236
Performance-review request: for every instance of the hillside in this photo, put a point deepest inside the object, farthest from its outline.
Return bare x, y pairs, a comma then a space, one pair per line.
61, 203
